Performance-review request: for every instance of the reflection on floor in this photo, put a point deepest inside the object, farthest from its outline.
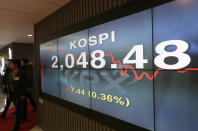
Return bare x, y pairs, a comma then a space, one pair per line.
2, 105
37, 128
3, 102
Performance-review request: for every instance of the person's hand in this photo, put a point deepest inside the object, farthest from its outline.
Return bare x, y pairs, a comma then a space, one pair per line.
22, 97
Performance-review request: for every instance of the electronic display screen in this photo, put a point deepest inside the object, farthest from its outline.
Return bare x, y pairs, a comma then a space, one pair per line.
176, 93
74, 86
49, 75
176, 97
73, 46
118, 37
140, 68
125, 98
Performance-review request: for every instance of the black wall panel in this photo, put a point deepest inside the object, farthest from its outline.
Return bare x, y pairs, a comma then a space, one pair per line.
73, 13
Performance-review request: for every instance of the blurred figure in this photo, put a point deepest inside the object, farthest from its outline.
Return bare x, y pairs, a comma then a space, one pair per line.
19, 88
28, 68
5, 80
7, 88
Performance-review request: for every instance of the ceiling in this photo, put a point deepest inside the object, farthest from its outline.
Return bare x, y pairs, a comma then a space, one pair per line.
17, 18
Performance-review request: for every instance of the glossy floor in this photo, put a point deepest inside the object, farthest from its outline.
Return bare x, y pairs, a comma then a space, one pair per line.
2, 105
3, 102
37, 128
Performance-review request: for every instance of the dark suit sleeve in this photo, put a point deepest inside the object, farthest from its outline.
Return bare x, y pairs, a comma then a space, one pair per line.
29, 74
24, 83
5, 77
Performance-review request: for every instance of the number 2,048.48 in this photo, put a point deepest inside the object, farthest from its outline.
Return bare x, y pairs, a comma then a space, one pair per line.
98, 56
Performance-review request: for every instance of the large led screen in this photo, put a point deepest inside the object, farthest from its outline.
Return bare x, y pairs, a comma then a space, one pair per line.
140, 68
49, 74
176, 92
